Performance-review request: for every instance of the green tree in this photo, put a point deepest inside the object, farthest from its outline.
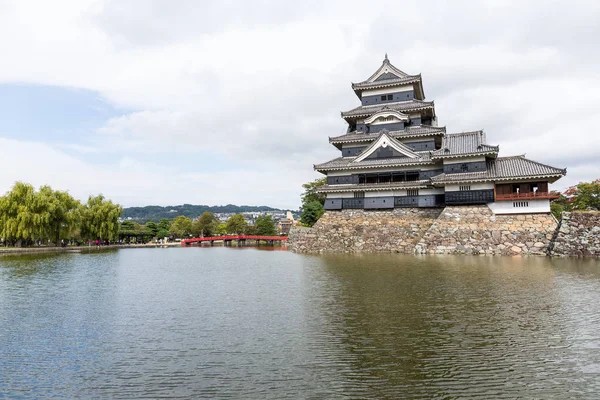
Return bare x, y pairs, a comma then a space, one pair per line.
100, 218
152, 227
63, 213
221, 229
206, 225
584, 196
236, 224
251, 230
163, 228
180, 227
312, 202
311, 212
265, 226
23, 215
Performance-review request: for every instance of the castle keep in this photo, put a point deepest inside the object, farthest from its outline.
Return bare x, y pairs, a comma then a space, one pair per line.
394, 155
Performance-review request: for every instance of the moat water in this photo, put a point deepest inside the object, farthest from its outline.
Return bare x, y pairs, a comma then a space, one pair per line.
256, 324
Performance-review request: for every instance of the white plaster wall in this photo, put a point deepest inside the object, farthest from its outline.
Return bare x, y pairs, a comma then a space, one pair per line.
340, 195
379, 193
393, 169
506, 207
431, 191
463, 160
339, 173
474, 186
375, 92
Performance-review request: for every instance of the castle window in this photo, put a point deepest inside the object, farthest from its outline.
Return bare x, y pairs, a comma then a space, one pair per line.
464, 188
383, 98
389, 97
464, 167
412, 192
359, 195
519, 204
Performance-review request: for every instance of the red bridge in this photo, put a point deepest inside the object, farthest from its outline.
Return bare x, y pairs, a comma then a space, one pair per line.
238, 238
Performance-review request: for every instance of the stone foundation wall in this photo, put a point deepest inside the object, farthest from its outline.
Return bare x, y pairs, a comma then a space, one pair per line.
476, 230
346, 231
452, 230
578, 235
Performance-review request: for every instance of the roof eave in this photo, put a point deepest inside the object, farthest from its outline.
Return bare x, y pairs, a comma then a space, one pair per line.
495, 179
441, 157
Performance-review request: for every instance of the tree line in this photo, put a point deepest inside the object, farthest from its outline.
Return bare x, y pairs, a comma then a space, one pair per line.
157, 213
585, 196
48, 216
207, 225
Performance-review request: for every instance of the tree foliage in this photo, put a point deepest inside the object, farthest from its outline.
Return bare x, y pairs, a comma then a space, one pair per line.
181, 227
100, 218
27, 215
156, 213
236, 224
312, 202
265, 226
583, 196
311, 212
206, 225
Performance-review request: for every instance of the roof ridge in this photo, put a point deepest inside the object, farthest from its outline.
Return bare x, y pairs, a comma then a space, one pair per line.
522, 157
465, 133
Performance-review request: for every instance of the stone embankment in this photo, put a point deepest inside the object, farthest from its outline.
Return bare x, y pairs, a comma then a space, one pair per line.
578, 235
79, 249
477, 230
452, 230
348, 231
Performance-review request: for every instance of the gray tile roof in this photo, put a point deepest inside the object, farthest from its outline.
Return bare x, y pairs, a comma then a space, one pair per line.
461, 144
504, 168
345, 163
408, 132
402, 106
374, 186
386, 82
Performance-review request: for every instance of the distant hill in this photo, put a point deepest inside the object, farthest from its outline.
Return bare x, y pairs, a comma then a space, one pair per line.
156, 213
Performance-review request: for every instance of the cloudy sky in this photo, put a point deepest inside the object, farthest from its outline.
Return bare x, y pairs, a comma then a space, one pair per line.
214, 102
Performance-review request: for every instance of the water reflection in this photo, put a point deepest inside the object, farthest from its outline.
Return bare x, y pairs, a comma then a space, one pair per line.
456, 326
247, 323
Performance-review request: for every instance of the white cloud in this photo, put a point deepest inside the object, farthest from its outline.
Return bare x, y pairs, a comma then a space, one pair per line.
261, 84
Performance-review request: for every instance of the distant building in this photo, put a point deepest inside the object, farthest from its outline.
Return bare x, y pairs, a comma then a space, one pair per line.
395, 155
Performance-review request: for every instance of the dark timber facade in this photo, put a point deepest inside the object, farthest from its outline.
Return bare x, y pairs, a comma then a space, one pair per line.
395, 155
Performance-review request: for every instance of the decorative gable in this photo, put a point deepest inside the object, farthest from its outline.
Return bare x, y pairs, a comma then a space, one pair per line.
387, 114
385, 146
387, 71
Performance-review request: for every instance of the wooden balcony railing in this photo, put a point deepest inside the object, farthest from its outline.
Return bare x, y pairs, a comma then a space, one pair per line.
528, 196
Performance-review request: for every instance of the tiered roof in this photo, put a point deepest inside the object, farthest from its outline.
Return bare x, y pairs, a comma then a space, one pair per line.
388, 76
408, 132
402, 106
346, 163
504, 168
369, 187
464, 144
455, 145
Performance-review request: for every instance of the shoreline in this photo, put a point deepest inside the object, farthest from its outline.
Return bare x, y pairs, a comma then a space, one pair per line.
80, 249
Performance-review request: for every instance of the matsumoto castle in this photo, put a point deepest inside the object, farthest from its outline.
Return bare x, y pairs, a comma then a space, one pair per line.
395, 155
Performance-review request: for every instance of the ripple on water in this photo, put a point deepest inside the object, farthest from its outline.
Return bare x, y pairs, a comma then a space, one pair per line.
241, 323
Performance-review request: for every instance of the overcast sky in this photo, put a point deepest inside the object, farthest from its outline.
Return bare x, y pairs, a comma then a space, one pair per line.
213, 102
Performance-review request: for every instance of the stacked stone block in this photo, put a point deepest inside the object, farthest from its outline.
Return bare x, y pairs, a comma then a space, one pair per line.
578, 235
476, 230
350, 231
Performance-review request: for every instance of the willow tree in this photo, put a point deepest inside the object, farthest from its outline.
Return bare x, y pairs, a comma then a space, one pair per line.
100, 218
62, 213
23, 215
